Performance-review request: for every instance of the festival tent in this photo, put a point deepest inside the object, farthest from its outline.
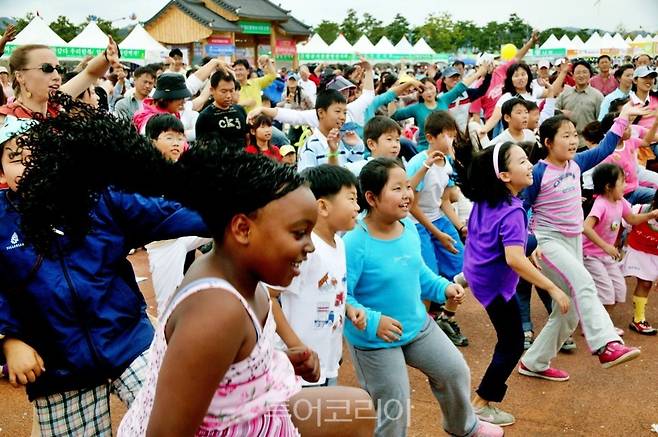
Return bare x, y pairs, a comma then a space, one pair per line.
565, 42
340, 45
140, 39
551, 43
404, 47
422, 48
618, 42
38, 32
385, 47
363, 46
90, 37
314, 45
576, 44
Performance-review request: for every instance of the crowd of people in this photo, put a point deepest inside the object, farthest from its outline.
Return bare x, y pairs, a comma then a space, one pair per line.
287, 211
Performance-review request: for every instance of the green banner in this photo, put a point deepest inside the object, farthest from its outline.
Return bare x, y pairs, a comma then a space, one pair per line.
255, 27
80, 52
547, 53
373, 57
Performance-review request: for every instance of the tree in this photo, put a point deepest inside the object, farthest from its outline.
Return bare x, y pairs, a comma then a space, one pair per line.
350, 27
64, 28
22, 22
518, 31
373, 28
397, 28
328, 31
437, 31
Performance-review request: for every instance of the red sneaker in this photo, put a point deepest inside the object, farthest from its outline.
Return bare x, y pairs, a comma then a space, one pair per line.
616, 353
550, 374
643, 327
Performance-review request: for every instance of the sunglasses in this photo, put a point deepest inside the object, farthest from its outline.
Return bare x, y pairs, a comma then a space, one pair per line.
48, 68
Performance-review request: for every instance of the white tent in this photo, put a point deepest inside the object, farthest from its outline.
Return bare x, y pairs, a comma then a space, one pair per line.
340, 45
90, 37
314, 45
628, 40
363, 46
38, 32
565, 42
404, 47
594, 42
551, 43
140, 39
618, 42
607, 41
576, 44
422, 48
385, 47
640, 38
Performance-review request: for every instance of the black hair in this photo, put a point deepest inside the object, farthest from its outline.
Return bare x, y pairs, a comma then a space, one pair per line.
509, 85
378, 126
373, 178
242, 62
458, 62
175, 52
221, 75
619, 72
603, 57
616, 104
327, 98
258, 121
154, 67
163, 123
592, 132
607, 121
550, 126
482, 184
190, 72
530, 105
438, 122
423, 81
585, 64
76, 158
327, 180
509, 105
144, 70
605, 177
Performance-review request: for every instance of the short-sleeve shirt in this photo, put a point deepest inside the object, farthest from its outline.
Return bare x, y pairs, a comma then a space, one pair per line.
490, 230
314, 303
431, 187
584, 105
253, 88
229, 125
644, 237
608, 215
271, 152
606, 86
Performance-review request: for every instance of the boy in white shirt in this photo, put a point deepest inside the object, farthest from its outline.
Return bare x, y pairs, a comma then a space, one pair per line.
515, 114
313, 305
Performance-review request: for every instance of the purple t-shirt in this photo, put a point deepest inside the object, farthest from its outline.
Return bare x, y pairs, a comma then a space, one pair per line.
490, 229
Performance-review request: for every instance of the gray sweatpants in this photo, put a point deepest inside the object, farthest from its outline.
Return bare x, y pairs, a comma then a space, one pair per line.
383, 374
562, 263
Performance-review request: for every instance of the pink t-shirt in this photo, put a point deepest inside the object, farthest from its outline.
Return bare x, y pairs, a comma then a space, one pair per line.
609, 215
626, 158
606, 86
488, 101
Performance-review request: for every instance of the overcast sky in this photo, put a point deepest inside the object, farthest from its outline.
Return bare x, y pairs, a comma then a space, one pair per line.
604, 14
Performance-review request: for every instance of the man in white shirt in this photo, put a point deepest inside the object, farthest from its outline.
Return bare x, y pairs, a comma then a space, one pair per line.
307, 84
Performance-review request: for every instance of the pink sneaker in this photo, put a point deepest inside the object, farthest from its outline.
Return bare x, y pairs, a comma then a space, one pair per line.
616, 353
486, 429
551, 373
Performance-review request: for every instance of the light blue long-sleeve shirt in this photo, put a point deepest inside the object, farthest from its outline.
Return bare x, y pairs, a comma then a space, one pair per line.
419, 111
605, 104
388, 277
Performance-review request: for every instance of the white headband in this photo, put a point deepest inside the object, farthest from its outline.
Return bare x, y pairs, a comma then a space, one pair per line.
496, 152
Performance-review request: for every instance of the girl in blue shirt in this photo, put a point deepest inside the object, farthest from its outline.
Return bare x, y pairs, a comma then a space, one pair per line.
387, 278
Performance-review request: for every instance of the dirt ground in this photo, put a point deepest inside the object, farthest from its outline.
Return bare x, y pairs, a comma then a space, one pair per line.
621, 401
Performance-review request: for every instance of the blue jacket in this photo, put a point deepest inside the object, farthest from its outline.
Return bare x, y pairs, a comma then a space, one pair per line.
82, 309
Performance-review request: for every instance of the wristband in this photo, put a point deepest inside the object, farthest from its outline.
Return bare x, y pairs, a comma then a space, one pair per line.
333, 155
426, 166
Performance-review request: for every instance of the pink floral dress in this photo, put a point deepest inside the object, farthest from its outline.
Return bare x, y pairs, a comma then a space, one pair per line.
250, 399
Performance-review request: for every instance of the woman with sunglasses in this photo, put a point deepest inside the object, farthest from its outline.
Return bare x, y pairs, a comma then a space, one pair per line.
37, 73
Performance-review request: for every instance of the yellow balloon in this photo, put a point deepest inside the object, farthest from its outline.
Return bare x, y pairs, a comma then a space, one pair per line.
507, 52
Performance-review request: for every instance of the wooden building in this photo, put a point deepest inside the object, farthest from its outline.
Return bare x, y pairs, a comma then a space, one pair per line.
230, 28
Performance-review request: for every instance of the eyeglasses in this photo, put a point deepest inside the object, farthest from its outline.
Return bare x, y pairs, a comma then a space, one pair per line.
48, 68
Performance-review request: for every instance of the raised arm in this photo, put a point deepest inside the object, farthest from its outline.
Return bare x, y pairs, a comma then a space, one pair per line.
94, 70
527, 46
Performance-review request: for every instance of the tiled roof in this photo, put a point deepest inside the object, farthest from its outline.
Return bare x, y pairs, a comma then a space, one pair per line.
259, 9
295, 27
197, 10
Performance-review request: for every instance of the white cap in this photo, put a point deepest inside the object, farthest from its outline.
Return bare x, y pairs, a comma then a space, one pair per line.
544, 64
485, 57
4, 70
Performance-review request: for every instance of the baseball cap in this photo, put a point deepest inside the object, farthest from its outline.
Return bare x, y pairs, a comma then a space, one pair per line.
4, 70
644, 71
286, 150
544, 64
485, 57
340, 83
450, 71
12, 127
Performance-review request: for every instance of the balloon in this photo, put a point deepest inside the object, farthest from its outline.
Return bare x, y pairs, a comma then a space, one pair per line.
507, 52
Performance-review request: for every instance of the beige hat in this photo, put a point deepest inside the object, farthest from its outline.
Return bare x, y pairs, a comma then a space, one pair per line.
4, 70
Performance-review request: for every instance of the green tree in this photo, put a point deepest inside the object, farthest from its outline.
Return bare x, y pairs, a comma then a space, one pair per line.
64, 28
397, 28
518, 31
373, 28
328, 31
466, 35
350, 27
22, 22
437, 30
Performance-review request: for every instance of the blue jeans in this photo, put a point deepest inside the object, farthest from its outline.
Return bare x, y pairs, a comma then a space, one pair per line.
279, 138
437, 257
640, 196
